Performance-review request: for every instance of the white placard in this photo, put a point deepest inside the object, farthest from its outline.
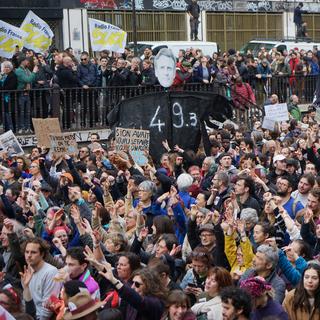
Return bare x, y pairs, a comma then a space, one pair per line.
268, 124
277, 112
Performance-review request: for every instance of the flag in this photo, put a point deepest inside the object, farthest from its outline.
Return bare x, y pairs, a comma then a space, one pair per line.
39, 34
104, 35
10, 37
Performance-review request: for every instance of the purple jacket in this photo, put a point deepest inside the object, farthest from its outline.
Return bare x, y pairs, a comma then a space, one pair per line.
272, 308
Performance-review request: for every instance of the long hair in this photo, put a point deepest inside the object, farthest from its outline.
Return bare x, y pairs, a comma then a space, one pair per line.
301, 297
152, 283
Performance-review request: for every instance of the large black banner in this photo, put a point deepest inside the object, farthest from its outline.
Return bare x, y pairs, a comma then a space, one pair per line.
177, 117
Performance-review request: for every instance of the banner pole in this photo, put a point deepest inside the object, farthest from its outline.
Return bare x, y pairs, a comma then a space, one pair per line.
134, 27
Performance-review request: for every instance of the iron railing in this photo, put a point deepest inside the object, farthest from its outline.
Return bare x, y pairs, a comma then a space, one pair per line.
284, 86
80, 109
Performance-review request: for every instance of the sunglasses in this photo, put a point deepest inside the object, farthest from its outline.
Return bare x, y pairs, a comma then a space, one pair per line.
137, 284
85, 59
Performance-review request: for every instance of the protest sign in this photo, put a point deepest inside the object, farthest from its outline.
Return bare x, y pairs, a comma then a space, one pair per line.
63, 143
104, 35
137, 141
10, 144
43, 128
39, 34
10, 37
277, 112
317, 117
268, 124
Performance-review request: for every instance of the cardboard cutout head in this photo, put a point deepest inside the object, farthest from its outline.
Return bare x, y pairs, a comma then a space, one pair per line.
165, 67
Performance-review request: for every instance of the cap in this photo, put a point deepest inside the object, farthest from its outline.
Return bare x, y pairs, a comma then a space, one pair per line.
222, 155
186, 64
67, 175
292, 162
255, 286
278, 157
207, 227
81, 305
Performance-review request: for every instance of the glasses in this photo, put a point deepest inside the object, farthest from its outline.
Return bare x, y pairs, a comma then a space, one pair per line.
82, 151
84, 59
137, 284
206, 235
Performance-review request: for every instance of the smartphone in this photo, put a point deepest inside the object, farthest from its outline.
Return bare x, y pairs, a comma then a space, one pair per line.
192, 285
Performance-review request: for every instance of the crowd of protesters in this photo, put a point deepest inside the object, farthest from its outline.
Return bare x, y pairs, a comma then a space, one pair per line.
229, 232
254, 78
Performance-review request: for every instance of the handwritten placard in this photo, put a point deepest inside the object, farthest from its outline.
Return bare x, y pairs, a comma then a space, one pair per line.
43, 128
277, 112
268, 124
136, 141
63, 143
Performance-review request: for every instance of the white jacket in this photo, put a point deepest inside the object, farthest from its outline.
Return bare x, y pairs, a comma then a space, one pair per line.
213, 308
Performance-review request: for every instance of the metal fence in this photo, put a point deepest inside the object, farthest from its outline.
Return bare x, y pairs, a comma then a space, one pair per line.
234, 29
284, 86
80, 109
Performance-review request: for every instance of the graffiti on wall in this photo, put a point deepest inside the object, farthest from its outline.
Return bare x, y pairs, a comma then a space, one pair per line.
254, 6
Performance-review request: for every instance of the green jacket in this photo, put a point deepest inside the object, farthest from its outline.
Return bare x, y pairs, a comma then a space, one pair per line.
24, 77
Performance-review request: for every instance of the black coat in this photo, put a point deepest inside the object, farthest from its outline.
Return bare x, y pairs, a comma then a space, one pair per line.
66, 77
11, 82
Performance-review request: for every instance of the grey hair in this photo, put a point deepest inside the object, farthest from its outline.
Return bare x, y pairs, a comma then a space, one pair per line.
167, 53
204, 211
249, 215
136, 59
272, 255
223, 177
210, 159
6, 64
148, 186
184, 181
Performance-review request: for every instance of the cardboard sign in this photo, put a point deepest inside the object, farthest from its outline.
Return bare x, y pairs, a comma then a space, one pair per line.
138, 157
63, 143
268, 124
317, 117
137, 141
43, 128
277, 112
10, 144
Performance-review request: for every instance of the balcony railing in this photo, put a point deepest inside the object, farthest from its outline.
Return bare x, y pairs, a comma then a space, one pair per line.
81, 109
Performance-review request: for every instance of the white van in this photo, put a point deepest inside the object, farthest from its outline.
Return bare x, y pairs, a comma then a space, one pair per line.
207, 48
255, 45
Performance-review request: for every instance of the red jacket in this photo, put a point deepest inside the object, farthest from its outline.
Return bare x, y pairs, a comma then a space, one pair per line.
241, 94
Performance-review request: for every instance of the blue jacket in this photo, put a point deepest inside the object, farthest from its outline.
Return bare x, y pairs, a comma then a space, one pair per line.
314, 68
87, 75
187, 199
264, 71
198, 73
291, 273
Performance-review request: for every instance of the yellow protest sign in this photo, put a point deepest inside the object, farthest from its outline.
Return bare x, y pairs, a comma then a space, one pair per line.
10, 37
39, 34
104, 35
